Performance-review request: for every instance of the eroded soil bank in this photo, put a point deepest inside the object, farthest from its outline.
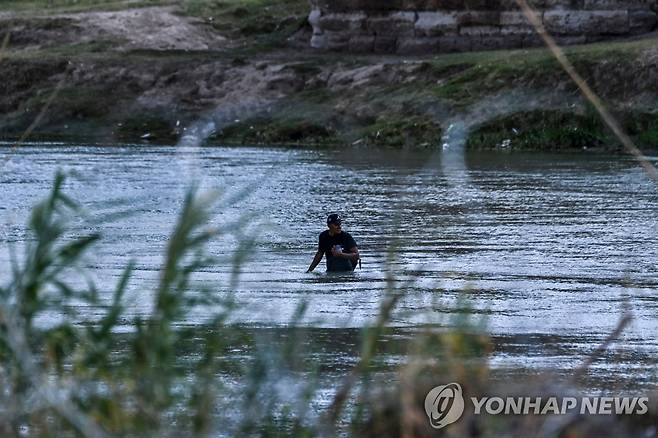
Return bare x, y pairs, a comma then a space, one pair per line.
149, 73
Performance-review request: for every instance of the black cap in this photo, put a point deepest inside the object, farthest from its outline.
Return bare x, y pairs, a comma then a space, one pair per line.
334, 219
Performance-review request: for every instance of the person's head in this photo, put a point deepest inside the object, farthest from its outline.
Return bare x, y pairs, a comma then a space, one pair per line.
334, 223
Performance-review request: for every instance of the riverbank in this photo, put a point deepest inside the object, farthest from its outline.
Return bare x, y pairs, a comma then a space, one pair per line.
118, 74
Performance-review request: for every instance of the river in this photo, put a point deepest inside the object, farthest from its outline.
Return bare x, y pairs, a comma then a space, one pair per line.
548, 246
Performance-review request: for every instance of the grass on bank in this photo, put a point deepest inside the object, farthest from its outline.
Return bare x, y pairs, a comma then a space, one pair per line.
65, 6
409, 132
265, 23
556, 130
457, 81
250, 17
487, 74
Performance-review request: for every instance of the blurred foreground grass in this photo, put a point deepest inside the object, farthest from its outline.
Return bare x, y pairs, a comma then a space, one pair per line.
67, 373
64, 371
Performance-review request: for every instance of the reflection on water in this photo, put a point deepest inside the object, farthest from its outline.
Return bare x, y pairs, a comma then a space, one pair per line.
550, 246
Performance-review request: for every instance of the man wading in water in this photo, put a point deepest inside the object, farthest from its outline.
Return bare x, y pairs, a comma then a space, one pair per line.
339, 247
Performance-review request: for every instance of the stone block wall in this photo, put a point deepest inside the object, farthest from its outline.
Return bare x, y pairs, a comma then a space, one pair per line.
436, 26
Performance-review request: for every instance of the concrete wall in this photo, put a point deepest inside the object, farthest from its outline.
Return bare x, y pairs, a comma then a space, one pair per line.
434, 26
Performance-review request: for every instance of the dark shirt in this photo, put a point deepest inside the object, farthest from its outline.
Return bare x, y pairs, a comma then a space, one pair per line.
327, 241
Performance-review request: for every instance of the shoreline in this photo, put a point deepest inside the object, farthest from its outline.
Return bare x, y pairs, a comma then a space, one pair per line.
10, 143
279, 92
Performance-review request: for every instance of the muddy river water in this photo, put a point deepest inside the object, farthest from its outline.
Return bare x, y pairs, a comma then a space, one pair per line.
550, 247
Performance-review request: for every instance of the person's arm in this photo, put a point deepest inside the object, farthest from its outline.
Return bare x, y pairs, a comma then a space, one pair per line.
351, 254
317, 259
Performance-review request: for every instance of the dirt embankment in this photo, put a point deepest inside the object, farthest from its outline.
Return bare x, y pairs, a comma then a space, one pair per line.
149, 73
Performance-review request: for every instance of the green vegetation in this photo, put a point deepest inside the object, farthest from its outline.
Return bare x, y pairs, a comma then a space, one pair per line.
413, 131
127, 394
541, 130
289, 131
52, 6
562, 130
149, 126
110, 372
643, 127
265, 24
306, 125
536, 70
123, 96
113, 372
274, 18
117, 372
80, 103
